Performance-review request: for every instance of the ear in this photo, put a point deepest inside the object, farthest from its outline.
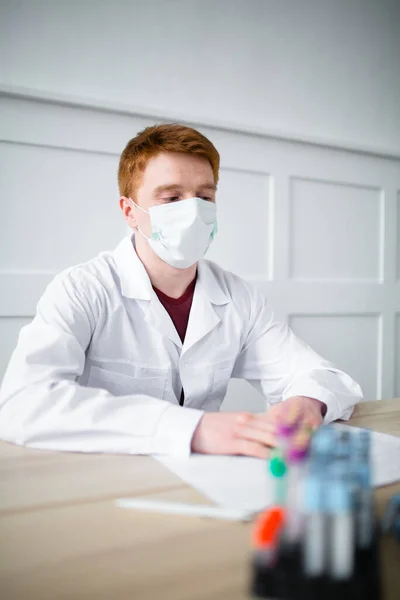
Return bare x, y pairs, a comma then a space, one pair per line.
129, 214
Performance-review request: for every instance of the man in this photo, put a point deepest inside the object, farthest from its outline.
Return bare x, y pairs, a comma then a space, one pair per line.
132, 351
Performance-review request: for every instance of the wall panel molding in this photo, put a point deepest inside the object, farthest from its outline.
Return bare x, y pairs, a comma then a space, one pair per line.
327, 333
93, 104
347, 233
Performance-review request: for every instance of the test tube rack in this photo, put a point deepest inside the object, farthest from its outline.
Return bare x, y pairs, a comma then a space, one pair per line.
278, 570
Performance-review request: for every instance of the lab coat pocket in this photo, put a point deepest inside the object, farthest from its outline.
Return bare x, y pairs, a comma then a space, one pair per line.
221, 377
120, 384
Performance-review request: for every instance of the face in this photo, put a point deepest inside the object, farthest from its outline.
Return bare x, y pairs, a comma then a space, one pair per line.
168, 177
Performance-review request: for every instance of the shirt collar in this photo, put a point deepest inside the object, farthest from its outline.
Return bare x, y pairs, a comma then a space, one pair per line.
135, 282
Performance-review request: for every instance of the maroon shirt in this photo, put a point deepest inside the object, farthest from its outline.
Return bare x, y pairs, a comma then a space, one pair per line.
179, 310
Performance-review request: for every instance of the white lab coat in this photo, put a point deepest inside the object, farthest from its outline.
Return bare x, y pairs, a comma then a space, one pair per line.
100, 368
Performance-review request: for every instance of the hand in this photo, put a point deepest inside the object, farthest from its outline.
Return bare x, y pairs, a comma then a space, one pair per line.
234, 433
311, 410
250, 434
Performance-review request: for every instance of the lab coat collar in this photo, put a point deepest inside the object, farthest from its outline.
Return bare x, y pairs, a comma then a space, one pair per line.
203, 317
135, 282
209, 284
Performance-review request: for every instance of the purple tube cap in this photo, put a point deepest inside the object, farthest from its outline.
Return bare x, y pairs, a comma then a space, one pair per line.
289, 423
296, 454
287, 429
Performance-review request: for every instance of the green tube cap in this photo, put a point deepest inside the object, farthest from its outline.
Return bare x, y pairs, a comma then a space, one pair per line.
277, 466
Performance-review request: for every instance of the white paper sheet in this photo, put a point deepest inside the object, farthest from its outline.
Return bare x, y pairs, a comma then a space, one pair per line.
243, 483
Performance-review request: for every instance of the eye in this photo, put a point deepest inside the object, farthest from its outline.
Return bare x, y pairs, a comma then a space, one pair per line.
170, 199
206, 198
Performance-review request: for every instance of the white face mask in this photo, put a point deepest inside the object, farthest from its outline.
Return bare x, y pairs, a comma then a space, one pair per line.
182, 231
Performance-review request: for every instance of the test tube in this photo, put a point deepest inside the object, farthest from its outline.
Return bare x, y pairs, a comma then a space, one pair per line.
314, 541
341, 524
288, 425
364, 493
278, 469
321, 446
266, 533
296, 456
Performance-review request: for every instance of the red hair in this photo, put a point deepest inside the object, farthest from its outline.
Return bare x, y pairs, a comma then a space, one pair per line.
161, 138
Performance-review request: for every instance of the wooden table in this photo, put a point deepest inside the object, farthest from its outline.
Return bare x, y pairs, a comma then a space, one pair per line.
62, 537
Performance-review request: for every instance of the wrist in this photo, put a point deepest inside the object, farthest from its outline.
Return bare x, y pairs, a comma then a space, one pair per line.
195, 444
320, 406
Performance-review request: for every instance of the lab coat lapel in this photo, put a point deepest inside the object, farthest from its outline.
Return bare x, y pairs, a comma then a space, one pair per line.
135, 284
202, 320
158, 318
208, 294
203, 317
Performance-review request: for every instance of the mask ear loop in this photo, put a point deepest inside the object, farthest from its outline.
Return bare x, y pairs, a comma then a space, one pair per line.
154, 236
139, 207
145, 211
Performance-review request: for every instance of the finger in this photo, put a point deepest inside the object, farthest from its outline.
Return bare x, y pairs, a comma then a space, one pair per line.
312, 424
263, 421
312, 419
243, 418
266, 427
272, 416
249, 448
258, 434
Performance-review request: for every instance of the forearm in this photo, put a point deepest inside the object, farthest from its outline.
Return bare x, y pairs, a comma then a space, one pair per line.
66, 416
331, 387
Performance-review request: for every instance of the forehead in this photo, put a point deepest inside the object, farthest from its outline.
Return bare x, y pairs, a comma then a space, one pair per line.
176, 168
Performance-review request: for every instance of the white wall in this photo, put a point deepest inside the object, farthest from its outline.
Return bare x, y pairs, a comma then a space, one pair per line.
319, 227
316, 228
326, 69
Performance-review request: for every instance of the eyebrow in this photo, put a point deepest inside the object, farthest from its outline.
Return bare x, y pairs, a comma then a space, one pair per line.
175, 186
